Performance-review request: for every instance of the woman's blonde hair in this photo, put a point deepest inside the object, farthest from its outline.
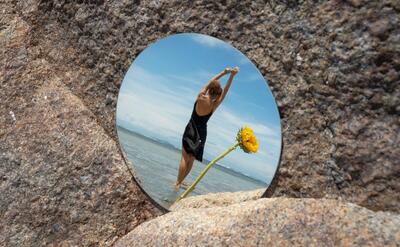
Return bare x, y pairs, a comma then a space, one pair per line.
214, 89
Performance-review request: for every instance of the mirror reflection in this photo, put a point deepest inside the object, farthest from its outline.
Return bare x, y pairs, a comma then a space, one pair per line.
195, 116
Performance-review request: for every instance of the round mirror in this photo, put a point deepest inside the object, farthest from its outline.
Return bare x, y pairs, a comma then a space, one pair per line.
195, 117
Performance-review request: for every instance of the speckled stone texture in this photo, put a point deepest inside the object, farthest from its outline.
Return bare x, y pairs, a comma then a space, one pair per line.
62, 179
270, 222
332, 65
217, 199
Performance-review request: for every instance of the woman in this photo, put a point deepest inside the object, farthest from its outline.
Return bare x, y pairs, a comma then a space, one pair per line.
208, 99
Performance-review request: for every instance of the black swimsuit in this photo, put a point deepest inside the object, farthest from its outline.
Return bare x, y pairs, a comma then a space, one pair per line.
201, 124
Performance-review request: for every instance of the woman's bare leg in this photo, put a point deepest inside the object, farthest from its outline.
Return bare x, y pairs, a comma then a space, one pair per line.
189, 164
184, 167
181, 172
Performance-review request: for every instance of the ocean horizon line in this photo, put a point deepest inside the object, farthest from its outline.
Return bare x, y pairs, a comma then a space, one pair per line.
205, 161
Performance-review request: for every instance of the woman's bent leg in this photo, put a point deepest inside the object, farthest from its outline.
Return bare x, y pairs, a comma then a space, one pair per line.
183, 168
189, 164
181, 172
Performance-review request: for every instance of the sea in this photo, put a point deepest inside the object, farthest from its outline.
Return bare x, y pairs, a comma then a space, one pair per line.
155, 166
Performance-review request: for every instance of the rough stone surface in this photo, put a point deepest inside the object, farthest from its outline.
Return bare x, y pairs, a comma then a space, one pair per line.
270, 222
217, 199
63, 181
62, 178
333, 67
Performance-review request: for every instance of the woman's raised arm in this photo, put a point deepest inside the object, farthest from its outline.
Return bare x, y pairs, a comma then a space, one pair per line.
233, 71
216, 77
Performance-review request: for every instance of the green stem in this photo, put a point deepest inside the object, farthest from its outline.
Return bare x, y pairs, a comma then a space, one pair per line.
191, 188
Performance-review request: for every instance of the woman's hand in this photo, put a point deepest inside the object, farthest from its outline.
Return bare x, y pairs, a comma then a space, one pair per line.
227, 70
235, 70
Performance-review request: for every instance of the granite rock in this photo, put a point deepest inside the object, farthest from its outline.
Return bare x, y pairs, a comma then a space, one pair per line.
270, 222
333, 67
62, 178
217, 199
63, 181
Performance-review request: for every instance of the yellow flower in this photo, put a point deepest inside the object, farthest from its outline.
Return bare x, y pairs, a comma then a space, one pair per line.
247, 140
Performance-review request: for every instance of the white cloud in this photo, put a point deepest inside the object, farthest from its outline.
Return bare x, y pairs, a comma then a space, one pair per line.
222, 130
206, 75
254, 77
243, 60
188, 79
209, 41
157, 109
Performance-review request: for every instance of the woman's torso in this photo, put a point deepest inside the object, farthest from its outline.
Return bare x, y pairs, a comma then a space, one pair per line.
199, 118
204, 106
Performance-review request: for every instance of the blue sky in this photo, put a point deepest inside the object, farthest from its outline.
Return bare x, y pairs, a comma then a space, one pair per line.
158, 92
